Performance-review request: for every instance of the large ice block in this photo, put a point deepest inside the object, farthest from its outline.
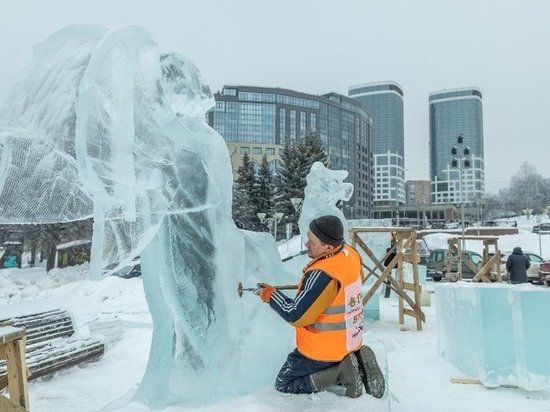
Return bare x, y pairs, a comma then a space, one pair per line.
371, 310
495, 332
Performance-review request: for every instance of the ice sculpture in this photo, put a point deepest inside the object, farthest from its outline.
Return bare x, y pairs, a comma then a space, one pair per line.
38, 174
493, 332
102, 123
324, 189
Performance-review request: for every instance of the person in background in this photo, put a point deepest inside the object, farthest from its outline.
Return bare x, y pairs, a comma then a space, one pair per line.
327, 314
388, 260
517, 265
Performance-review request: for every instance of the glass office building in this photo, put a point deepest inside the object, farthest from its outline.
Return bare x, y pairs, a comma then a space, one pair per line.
384, 102
259, 120
452, 113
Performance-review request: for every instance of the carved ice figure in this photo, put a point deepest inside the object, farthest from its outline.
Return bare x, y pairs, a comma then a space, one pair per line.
102, 123
324, 189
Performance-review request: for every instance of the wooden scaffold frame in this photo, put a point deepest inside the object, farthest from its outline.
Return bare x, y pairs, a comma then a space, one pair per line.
405, 251
489, 270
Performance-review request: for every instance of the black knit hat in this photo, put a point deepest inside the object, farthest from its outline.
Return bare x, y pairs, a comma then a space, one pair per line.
328, 229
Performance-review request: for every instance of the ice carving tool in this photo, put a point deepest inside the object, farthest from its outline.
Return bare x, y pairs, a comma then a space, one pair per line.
240, 288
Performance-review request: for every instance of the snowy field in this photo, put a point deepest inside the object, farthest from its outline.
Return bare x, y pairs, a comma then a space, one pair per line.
419, 380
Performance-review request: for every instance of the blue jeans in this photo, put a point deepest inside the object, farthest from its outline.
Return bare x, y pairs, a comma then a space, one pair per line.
294, 375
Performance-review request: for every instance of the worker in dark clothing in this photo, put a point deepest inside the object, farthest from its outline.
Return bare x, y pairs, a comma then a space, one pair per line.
388, 260
327, 314
517, 265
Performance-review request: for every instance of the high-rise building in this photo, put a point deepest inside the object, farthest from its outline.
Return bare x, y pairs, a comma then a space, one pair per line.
384, 101
259, 120
454, 113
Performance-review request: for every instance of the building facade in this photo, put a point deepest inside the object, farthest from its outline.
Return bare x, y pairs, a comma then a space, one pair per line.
384, 101
259, 120
417, 192
454, 113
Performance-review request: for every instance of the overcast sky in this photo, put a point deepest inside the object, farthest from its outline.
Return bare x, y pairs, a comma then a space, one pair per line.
317, 46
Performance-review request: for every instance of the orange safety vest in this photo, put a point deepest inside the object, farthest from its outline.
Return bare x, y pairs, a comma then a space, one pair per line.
339, 329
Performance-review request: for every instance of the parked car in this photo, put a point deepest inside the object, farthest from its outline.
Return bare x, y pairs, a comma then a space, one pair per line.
544, 273
438, 225
542, 228
131, 270
532, 272
437, 266
467, 223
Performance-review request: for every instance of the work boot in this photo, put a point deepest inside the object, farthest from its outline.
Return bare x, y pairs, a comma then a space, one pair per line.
371, 374
346, 374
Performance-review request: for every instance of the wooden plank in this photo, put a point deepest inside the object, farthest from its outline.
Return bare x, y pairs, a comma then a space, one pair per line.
399, 290
465, 381
17, 372
416, 280
373, 273
7, 405
369, 253
409, 312
383, 277
411, 286
4, 379
10, 333
472, 381
486, 267
69, 361
390, 229
51, 359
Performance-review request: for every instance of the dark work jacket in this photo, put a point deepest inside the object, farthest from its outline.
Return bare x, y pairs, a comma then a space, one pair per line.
390, 257
517, 265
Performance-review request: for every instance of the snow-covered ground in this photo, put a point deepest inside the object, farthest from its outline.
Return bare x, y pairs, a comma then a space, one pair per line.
419, 380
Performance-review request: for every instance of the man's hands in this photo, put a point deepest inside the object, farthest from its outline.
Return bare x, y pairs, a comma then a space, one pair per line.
264, 291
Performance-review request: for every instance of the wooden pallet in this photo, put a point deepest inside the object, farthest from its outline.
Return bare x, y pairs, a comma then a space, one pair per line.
50, 345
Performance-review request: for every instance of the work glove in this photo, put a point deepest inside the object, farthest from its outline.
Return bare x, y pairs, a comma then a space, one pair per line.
265, 291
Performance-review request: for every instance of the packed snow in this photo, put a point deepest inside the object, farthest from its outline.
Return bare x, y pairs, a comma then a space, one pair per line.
419, 380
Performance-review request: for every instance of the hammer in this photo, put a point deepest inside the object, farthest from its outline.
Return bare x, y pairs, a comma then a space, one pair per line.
240, 288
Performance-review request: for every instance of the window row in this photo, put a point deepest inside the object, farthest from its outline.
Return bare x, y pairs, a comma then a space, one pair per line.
258, 150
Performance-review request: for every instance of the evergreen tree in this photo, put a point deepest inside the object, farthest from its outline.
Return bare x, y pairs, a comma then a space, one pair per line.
314, 150
310, 150
244, 212
290, 183
264, 192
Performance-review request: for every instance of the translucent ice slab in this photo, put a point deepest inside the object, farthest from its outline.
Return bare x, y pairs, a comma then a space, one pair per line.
495, 332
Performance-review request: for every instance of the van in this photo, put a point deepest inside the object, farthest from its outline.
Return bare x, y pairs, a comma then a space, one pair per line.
423, 251
438, 264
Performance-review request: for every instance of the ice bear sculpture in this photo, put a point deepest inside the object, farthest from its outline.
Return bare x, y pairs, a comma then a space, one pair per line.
324, 189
